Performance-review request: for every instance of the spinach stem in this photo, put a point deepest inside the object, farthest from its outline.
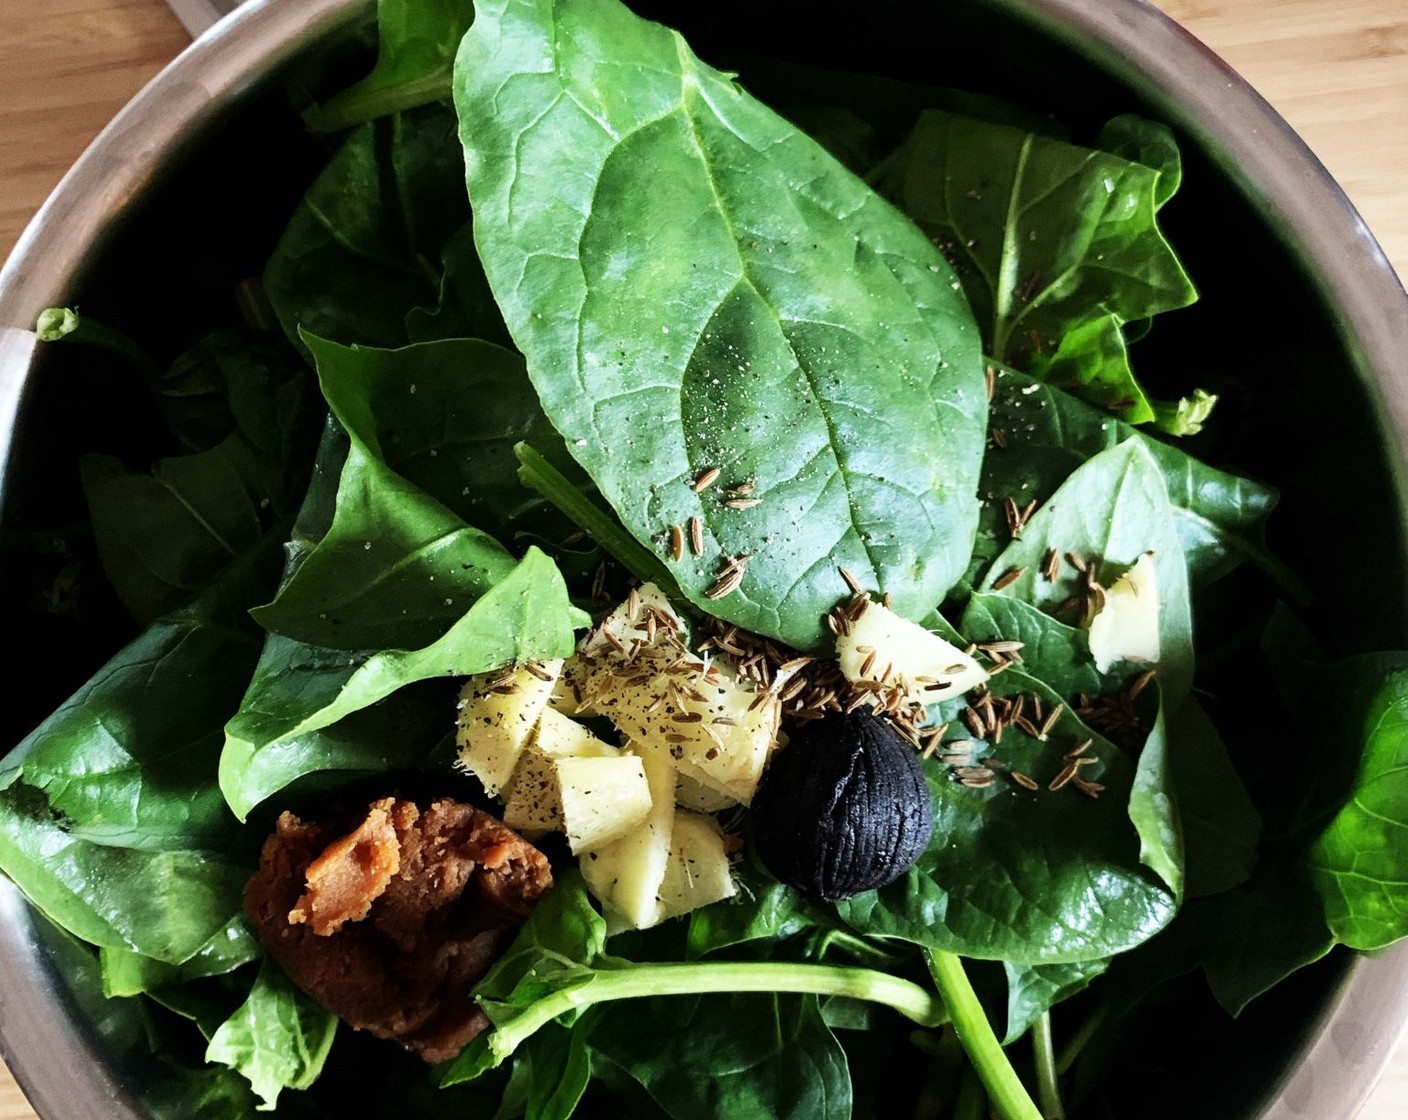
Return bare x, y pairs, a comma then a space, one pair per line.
1048, 1086
857, 947
58, 324
683, 979
1071, 1051
538, 474
970, 1023
354, 108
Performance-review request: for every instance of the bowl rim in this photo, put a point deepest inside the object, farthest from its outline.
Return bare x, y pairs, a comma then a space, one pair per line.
45, 1045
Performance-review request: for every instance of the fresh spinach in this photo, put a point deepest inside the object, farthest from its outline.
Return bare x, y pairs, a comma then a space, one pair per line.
278, 1038
1057, 246
1357, 861
126, 973
1027, 877
357, 255
1221, 827
1034, 989
1047, 433
106, 817
1110, 510
300, 689
163, 534
418, 41
793, 1069
792, 331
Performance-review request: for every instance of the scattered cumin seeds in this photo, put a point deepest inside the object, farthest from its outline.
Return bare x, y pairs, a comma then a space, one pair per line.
696, 536
851, 581
999, 437
1022, 780
1090, 789
704, 479
1080, 748
1051, 565
1003, 645
534, 669
1007, 578
676, 543
742, 490
1076, 562
743, 503
990, 376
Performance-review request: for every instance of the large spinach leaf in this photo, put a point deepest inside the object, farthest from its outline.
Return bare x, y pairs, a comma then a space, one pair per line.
1036, 877
1057, 247
1110, 511
1046, 433
697, 285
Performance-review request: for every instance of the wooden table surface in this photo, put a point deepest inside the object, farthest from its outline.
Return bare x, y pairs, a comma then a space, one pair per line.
1336, 69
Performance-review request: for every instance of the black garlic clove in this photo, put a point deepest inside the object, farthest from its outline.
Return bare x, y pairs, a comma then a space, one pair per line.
843, 808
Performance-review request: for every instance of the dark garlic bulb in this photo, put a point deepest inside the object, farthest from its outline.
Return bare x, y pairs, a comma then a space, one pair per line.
843, 808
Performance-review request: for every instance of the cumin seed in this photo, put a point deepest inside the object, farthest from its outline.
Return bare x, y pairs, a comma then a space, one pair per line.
676, 543
1008, 578
704, 479
1141, 682
1022, 780
1063, 777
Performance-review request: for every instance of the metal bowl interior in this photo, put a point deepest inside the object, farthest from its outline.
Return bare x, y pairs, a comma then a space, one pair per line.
1302, 326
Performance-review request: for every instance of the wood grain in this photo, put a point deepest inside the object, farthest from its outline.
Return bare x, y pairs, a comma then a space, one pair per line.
1336, 69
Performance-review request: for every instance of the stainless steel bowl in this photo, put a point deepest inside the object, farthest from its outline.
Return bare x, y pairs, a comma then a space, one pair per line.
53, 1038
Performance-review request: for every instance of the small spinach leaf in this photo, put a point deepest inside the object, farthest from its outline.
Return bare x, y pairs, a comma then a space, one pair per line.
1221, 827
1047, 433
1057, 654
278, 1039
793, 1070
1057, 247
1034, 989
1357, 862
418, 41
1110, 511
163, 535
357, 254
162, 904
126, 973
698, 285
1153, 807
299, 689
